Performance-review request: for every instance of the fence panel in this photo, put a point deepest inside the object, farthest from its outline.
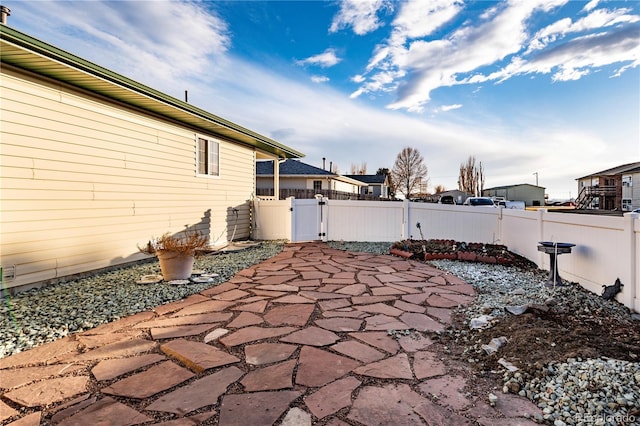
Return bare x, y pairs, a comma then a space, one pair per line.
461, 223
364, 220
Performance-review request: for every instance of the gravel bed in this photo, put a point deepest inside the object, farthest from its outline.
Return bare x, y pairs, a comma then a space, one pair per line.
43, 315
575, 391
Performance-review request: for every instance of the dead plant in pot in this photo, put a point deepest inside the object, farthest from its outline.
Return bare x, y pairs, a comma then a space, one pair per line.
176, 252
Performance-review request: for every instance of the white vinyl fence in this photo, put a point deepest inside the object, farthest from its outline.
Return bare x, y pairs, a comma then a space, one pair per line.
606, 247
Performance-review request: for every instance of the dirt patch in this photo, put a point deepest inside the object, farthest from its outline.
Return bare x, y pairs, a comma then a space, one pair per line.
583, 327
538, 338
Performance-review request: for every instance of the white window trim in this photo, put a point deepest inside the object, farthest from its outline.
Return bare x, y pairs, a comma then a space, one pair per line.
209, 141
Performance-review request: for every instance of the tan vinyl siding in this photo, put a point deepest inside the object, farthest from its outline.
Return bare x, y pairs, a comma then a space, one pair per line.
83, 181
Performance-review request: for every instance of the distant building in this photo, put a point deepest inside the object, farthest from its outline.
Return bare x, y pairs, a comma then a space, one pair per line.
617, 188
532, 195
375, 185
301, 180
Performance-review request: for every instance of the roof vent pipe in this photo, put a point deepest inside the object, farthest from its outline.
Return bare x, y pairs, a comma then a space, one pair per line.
323, 163
4, 12
331, 166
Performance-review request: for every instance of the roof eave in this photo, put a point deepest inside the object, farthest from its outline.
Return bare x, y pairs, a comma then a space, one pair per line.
25, 52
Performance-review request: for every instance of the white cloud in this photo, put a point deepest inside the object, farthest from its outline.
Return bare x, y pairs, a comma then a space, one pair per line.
152, 51
319, 78
446, 108
325, 59
359, 15
591, 5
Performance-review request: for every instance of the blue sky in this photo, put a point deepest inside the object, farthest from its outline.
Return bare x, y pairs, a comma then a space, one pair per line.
546, 86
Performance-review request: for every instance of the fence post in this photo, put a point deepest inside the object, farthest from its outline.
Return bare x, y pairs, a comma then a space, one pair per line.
292, 218
406, 226
541, 219
632, 226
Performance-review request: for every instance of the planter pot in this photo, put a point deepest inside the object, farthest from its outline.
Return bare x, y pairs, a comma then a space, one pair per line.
486, 259
175, 266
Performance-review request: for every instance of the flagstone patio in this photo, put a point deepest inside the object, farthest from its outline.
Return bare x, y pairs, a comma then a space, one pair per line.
313, 335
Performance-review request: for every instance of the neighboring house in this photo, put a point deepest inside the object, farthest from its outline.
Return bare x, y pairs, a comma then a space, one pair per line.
617, 188
301, 180
94, 164
375, 185
532, 195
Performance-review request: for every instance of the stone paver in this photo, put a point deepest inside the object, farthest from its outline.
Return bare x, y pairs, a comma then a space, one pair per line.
396, 367
426, 364
13, 378
202, 392
266, 353
48, 391
111, 368
289, 315
359, 351
257, 408
156, 379
197, 356
252, 334
298, 339
389, 405
273, 377
107, 411
313, 336
332, 397
317, 367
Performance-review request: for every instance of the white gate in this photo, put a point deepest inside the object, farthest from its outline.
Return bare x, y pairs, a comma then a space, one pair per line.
309, 220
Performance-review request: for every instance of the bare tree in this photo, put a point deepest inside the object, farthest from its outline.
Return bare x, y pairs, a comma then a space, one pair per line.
439, 188
409, 172
361, 170
471, 177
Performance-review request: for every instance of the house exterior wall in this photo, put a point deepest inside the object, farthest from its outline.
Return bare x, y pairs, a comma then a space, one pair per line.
83, 181
344, 187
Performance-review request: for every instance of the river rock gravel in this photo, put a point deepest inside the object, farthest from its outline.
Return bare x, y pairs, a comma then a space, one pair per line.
43, 315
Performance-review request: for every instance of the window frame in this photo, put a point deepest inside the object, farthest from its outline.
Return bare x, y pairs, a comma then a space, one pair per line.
212, 147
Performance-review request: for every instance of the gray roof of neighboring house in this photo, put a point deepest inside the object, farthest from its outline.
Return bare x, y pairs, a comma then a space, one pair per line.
291, 167
369, 179
625, 168
25, 52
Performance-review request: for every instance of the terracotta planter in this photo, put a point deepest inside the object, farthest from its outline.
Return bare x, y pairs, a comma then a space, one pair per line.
175, 266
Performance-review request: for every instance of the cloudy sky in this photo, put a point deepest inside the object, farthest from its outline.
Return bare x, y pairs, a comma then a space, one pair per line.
533, 86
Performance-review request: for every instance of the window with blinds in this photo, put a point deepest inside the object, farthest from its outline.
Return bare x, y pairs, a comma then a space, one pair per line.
208, 157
